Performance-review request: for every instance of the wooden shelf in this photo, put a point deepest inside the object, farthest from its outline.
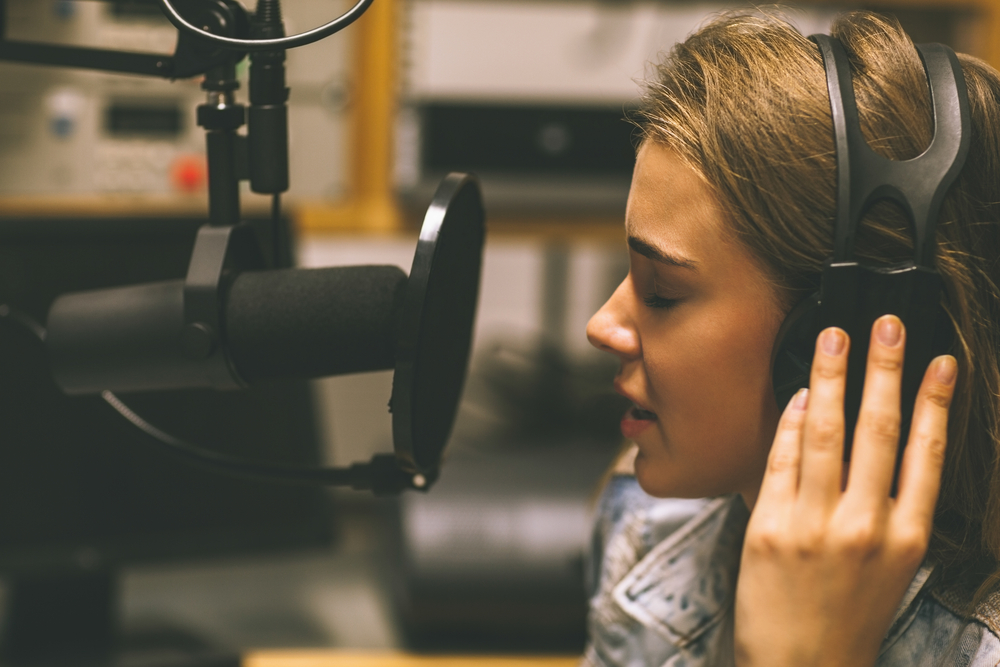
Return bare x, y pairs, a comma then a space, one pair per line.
610, 231
119, 206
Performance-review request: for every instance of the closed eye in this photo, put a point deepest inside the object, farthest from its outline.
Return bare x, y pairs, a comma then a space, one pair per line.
656, 301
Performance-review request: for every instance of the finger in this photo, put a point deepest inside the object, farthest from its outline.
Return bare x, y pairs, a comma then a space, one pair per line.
781, 478
876, 437
923, 459
823, 432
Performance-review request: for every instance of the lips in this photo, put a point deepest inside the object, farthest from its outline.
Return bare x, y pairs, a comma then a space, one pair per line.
636, 420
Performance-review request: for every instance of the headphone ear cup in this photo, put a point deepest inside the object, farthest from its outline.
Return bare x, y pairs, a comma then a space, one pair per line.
791, 358
944, 339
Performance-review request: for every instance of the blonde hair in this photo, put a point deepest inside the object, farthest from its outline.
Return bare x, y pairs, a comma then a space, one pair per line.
744, 102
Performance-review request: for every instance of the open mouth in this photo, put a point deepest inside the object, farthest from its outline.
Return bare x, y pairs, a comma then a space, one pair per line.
639, 414
636, 421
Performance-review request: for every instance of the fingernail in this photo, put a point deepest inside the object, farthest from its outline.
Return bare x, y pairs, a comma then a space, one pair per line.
801, 399
888, 330
833, 341
946, 370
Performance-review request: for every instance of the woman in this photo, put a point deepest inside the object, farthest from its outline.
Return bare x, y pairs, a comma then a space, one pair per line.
796, 559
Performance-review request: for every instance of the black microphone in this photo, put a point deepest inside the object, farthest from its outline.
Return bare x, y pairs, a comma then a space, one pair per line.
309, 323
301, 323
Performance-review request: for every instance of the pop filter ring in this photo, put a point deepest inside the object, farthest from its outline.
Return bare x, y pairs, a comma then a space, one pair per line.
435, 332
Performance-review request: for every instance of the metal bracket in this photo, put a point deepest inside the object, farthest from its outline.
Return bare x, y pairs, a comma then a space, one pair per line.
215, 249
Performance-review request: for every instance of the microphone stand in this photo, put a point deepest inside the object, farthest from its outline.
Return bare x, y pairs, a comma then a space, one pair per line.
268, 122
225, 242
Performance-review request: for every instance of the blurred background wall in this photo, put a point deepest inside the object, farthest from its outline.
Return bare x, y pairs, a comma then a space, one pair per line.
530, 95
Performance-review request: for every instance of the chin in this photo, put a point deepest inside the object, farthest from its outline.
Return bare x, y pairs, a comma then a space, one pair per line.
652, 480
656, 485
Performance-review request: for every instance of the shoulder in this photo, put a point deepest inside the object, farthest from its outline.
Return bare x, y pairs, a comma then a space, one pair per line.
957, 599
981, 626
943, 632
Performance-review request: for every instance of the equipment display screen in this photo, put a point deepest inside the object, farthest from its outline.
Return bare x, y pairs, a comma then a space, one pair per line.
134, 120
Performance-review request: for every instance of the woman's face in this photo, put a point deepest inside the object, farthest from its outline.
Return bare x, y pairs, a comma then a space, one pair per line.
693, 324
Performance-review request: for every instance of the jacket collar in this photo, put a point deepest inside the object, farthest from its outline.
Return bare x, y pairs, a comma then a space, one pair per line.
908, 606
686, 584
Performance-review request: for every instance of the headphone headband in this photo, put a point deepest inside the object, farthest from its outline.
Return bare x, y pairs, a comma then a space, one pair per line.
918, 185
853, 294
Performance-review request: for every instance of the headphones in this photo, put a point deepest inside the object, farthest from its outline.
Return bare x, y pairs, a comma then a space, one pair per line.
853, 294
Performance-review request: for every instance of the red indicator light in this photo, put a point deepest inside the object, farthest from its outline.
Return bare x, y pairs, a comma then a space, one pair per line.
189, 173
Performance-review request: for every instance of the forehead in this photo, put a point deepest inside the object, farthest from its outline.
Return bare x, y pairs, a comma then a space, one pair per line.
671, 208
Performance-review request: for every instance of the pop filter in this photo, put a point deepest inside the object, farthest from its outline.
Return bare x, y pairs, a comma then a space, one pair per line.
435, 332
294, 323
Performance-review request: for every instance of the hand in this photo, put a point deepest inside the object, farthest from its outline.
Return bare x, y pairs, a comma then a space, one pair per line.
825, 565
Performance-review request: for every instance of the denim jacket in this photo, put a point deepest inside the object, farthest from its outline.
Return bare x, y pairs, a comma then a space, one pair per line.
662, 577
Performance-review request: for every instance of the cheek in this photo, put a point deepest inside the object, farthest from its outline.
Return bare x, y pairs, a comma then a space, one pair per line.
712, 387
743, 346
715, 361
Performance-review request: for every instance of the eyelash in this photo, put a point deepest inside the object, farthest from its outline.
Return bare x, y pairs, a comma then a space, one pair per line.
657, 301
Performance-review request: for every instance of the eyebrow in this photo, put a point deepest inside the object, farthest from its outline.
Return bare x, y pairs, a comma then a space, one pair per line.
655, 254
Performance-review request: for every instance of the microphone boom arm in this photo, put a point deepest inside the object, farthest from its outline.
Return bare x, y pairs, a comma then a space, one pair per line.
192, 56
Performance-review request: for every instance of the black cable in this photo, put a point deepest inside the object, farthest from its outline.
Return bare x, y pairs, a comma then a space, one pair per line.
23, 320
277, 237
380, 475
291, 42
231, 464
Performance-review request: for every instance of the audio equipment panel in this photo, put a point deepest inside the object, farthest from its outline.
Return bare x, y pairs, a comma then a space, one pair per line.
532, 96
75, 132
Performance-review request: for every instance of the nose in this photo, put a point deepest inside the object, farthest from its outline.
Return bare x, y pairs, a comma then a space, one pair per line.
612, 329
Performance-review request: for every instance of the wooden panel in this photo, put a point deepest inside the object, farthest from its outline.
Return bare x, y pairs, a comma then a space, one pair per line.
374, 659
